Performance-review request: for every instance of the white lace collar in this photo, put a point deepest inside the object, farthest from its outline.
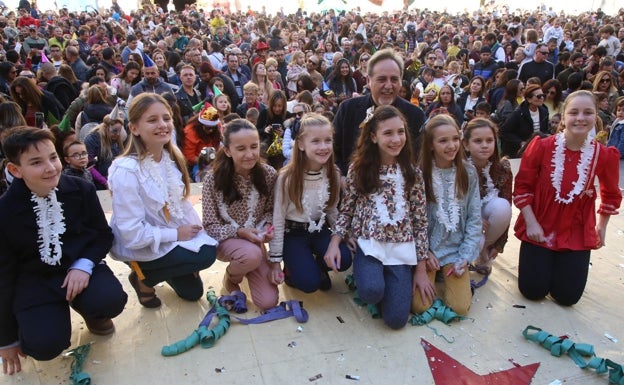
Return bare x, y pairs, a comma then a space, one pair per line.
50, 227
491, 190
323, 195
393, 179
252, 202
169, 187
448, 209
582, 168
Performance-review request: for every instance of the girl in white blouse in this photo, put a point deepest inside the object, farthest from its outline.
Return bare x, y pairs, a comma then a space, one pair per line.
155, 226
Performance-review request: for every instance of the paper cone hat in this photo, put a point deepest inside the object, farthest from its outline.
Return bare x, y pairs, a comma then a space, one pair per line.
216, 91
147, 62
44, 58
65, 125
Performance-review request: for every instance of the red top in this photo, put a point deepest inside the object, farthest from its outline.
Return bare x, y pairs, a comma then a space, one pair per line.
566, 226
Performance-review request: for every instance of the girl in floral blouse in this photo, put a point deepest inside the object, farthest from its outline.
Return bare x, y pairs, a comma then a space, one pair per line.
384, 214
306, 205
454, 214
495, 179
237, 202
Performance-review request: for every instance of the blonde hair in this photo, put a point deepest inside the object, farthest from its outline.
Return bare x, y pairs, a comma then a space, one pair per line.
294, 171
137, 147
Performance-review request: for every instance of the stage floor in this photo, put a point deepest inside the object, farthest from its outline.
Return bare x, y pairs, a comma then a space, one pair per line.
361, 346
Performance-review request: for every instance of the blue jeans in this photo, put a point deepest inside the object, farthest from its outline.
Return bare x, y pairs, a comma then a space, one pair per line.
303, 257
389, 286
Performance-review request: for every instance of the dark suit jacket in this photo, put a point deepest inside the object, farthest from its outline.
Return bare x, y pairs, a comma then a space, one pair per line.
25, 280
352, 112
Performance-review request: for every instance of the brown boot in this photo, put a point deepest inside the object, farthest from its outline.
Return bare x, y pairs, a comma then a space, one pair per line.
100, 326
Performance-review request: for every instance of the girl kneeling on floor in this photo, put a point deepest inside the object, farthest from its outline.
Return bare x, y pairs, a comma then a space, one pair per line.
306, 207
454, 214
495, 180
237, 202
383, 211
153, 221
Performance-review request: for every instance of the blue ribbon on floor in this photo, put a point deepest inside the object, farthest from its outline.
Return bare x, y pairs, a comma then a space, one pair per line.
206, 336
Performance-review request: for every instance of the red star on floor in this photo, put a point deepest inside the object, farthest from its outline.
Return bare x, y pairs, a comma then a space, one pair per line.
448, 371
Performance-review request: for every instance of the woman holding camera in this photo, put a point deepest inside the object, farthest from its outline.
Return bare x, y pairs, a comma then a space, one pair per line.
271, 128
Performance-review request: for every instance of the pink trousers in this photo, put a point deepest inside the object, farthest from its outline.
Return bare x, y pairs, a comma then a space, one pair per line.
249, 260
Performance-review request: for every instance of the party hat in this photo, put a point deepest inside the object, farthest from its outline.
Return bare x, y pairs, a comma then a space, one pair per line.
65, 124
116, 113
74, 36
44, 58
216, 91
147, 62
198, 106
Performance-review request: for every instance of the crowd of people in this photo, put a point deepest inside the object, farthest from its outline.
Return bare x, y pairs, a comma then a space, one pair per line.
342, 140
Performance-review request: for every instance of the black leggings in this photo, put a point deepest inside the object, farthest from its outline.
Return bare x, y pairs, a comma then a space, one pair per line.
563, 274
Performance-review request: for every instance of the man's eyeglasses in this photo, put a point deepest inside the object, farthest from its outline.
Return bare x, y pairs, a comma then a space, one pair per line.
543, 52
438, 67
79, 155
431, 58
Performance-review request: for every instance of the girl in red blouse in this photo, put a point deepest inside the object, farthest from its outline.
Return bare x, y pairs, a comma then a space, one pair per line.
554, 190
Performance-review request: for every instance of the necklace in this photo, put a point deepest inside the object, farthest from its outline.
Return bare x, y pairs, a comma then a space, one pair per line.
582, 168
392, 193
490, 188
252, 201
322, 199
50, 227
449, 218
169, 187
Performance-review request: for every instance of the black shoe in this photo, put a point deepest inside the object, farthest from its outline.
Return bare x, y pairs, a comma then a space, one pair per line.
325, 283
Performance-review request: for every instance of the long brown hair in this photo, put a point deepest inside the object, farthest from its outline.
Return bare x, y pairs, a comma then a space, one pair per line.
366, 159
135, 145
295, 169
30, 92
223, 165
426, 158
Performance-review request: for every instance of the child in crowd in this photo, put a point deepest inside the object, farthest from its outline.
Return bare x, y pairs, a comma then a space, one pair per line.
383, 214
77, 159
454, 214
296, 67
554, 190
495, 179
237, 205
252, 115
306, 208
616, 137
53, 240
156, 228
222, 104
483, 110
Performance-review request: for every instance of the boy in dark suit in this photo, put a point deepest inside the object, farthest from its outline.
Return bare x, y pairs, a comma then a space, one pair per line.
53, 239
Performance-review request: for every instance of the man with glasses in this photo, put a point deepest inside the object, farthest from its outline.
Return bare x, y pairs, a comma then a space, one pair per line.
312, 65
538, 67
385, 72
56, 55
